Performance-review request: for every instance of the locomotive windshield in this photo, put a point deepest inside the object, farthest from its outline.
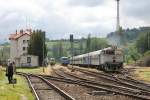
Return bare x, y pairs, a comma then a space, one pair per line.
110, 52
64, 58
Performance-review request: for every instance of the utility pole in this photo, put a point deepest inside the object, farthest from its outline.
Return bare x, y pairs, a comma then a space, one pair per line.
43, 50
89, 46
72, 47
148, 37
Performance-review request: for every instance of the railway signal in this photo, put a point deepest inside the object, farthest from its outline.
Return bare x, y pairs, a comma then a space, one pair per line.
71, 37
72, 46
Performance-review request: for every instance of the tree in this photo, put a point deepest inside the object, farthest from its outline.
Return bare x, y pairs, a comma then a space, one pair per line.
146, 58
58, 50
81, 47
98, 43
143, 43
37, 45
132, 54
88, 44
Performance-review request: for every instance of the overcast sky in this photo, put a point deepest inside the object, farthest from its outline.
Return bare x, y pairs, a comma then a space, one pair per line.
59, 18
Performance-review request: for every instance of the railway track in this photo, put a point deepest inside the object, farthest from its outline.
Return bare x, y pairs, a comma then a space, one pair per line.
137, 93
61, 82
124, 79
44, 89
95, 85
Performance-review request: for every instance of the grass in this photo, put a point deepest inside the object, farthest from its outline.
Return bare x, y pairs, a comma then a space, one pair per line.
20, 91
143, 73
34, 70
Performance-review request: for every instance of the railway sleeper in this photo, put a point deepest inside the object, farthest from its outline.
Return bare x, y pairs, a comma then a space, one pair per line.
101, 93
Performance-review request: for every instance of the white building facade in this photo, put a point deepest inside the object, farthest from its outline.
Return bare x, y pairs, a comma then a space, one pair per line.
19, 42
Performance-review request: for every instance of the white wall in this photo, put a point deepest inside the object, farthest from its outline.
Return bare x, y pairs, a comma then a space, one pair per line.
21, 44
19, 55
13, 49
34, 60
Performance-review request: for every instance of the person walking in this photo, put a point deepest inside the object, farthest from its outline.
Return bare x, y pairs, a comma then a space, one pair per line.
10, 72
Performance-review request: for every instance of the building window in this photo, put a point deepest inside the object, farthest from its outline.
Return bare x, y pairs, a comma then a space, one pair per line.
28, 59
28, 41
24, 41
24, 48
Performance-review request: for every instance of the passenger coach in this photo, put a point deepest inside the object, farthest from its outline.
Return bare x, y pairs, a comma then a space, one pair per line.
108, 59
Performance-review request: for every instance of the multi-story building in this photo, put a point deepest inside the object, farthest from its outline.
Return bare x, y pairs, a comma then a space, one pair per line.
19, 42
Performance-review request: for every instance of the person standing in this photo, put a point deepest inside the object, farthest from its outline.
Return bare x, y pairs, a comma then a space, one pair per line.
10, 72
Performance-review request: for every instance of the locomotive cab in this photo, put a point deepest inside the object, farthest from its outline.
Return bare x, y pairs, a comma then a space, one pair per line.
112, 59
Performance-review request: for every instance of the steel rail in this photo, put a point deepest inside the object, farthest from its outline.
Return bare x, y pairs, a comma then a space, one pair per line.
55, 88
31, 86
113, 91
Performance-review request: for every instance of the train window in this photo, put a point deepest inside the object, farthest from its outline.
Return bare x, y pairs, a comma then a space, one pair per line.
110, 52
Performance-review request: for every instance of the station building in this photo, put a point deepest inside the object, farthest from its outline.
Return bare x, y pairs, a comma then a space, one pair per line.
19, 42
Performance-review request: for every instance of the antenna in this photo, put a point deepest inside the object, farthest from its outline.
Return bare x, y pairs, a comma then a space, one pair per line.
26, 22
28, 26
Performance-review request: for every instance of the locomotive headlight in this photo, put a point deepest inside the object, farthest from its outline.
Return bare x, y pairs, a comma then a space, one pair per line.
114, 59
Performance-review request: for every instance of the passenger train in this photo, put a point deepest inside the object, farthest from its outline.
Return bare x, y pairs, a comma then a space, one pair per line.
107, 59
64, 61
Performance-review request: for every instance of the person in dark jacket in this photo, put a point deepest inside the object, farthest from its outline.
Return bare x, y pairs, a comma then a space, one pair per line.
10, 72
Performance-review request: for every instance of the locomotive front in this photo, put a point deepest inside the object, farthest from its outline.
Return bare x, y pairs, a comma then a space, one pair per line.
112, 59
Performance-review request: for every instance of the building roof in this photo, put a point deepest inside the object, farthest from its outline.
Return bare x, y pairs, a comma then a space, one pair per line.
19, 34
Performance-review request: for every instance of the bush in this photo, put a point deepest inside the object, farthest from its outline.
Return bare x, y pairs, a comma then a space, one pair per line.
146, 58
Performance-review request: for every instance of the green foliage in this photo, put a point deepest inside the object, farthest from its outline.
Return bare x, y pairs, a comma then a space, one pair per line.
58, 50
128, 35
5, 44
146, 58
36, 45
81, 46
143, 42
94, 43
4, 54
98, 43
88, 44
131, 54
147, 53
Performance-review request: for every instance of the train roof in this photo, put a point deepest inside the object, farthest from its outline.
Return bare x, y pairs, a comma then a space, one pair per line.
64, 57
90, 53
93, 53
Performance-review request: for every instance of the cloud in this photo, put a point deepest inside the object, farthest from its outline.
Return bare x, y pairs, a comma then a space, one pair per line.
87, 3
137, 11
59, 18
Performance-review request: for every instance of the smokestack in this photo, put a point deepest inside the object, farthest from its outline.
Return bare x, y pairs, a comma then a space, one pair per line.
118, 17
